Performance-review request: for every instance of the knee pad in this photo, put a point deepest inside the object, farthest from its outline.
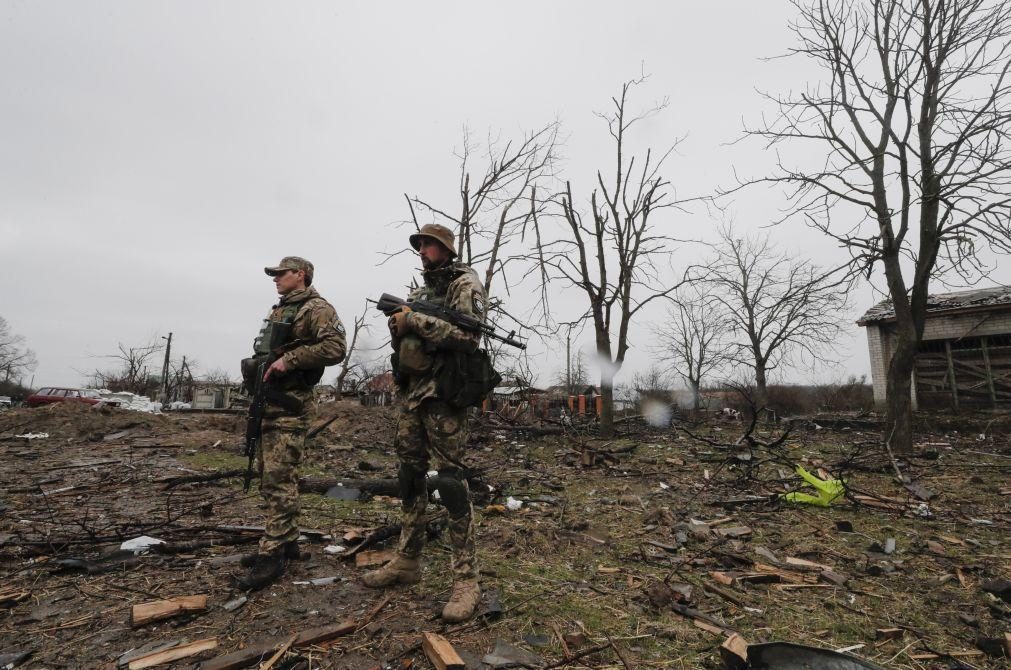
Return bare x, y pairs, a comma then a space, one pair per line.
411, 481
452, 491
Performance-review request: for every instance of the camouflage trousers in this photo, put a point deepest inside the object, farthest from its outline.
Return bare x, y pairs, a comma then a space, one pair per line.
434, 435
281, 452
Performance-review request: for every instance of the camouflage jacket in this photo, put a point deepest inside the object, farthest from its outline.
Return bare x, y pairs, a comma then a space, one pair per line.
317, 325
456, 286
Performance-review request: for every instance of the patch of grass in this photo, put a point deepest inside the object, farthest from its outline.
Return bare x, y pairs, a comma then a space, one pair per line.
214, 459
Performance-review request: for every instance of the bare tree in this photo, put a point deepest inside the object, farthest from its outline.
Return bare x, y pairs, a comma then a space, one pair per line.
613, 257
693, 339
654, 383
575, 377
218, 377
498, 203
180, 378
15, 358
911, 121
347, 366
519, 372
780, 310
365, 371
133, 374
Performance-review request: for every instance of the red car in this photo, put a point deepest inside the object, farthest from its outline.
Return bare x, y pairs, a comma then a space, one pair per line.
53, 394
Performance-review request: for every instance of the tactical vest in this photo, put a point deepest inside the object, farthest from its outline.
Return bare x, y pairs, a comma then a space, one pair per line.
276, 330
462, 379
276, 337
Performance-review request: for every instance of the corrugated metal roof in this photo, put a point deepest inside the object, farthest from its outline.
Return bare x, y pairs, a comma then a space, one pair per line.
945, 302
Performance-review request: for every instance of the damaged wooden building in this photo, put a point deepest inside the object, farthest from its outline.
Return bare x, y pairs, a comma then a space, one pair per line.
964, 359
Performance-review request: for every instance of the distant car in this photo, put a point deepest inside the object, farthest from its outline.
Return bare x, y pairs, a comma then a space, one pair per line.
5, 402
52, 394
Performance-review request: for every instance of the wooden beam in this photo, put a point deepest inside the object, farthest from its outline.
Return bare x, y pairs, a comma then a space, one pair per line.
145, 613
258, 652
326, 633
280, 652
441, 653
243, 658
951, 373
173, 654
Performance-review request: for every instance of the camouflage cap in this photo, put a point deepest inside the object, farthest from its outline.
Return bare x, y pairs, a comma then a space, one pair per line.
292, 263
441, 234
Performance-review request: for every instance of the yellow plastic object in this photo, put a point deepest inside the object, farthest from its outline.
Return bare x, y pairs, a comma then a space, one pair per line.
828, 490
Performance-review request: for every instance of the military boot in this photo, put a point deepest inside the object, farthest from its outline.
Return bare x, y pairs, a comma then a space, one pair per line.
400, 570
463, 602
265, 570
291, 552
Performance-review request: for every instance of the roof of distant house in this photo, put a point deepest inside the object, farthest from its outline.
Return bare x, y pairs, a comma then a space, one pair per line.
959, 301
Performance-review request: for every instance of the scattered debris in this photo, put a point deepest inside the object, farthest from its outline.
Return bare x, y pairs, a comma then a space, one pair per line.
319, 581
12, 659
174, 653
734, 652
493, 606
790, 656
140, 545
732, 555
505, 655
146, 650
235, 603
829, 490
441, 653
158, 610
889, 633
999, 587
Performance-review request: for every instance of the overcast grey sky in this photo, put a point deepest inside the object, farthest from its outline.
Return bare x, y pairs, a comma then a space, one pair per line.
156, 155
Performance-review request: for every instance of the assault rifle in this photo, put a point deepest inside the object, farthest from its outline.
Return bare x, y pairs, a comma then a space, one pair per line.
389, 305
254, 417
267, 351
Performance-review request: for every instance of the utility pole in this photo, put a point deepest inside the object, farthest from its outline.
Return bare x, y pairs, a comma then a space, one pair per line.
165, 369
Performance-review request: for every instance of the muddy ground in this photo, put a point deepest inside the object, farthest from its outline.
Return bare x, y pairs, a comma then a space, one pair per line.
650, 548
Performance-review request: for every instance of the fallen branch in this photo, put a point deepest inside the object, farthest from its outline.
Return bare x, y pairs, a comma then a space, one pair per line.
578, 655
171, 482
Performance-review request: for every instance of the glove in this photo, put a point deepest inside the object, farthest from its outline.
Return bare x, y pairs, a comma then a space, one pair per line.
400, 323
828, 490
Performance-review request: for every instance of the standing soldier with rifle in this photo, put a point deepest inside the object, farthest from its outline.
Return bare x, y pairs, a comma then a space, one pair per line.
433, 360
300, 337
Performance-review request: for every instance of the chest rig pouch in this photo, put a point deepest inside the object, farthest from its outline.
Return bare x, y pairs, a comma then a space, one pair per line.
413, 357
271, 343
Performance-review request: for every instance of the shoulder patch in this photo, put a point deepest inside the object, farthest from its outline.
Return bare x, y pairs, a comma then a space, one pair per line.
339, 327
479, 304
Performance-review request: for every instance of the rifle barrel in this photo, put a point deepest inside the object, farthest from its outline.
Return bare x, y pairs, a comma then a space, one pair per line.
388, 303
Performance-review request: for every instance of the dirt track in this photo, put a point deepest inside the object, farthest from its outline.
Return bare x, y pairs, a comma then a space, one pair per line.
603, 526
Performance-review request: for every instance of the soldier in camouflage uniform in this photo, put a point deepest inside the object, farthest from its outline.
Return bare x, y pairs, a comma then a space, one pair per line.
430, 432
316, 339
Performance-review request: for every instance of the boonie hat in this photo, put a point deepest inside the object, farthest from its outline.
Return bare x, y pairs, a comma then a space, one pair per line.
441, 234
295, 263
